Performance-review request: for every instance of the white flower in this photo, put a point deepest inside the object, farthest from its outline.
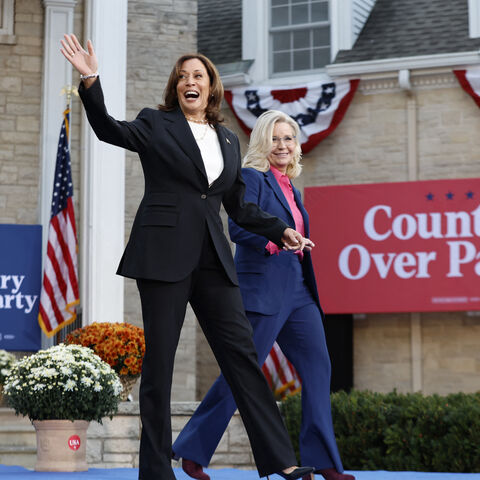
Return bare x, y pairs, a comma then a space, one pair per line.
117, 387
69, 385
45, 372
86, 381
66, 370
7, 361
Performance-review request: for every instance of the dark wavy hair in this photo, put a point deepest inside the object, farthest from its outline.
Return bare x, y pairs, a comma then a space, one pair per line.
170, 98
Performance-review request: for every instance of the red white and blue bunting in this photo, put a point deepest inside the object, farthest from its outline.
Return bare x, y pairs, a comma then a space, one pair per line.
318, 108
470, 81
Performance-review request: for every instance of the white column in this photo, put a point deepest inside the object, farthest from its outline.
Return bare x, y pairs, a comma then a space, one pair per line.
255, 35
103, 171
341, 25
474, 18
57, 74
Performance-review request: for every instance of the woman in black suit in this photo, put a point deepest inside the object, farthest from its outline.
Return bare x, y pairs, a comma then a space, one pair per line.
178, 253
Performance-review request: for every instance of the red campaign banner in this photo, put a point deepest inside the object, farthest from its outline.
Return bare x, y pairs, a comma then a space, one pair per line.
397, 247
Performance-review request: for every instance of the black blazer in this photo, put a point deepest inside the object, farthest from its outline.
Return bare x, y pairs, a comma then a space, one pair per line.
178, 205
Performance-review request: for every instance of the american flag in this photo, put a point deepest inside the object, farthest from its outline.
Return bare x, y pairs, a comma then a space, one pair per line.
59, 295
281, 374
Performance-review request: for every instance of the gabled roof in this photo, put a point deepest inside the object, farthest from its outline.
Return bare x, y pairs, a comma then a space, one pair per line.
394, 29
220, 30
408, 28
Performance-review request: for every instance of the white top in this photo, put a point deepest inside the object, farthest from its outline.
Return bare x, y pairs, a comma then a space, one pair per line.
207, 141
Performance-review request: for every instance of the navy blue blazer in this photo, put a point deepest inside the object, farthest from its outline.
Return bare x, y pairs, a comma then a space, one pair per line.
261, 275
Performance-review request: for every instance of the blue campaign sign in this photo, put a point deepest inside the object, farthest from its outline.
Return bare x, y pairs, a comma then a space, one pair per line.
20, 284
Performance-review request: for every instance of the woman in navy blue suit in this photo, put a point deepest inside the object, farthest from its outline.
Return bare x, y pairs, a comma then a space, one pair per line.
280, 296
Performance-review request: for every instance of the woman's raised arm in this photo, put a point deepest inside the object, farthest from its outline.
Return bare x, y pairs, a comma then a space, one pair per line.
85, 62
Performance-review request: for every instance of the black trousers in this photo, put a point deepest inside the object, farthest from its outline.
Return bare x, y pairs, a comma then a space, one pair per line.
218, 306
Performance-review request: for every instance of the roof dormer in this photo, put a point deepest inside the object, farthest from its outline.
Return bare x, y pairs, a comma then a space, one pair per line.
474, 18
293, 39
348, 18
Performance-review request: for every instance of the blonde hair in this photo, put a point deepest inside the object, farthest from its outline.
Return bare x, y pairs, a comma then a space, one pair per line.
261, 144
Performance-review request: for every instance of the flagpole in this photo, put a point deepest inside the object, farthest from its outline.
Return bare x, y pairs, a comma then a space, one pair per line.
59, 296
69, 90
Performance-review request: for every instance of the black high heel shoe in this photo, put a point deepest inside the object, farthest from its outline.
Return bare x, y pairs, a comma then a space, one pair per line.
294, 474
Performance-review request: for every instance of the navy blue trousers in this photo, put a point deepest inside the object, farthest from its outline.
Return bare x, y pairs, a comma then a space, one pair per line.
298, 329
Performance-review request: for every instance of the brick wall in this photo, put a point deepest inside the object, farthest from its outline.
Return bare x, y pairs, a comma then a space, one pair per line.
115, 444
370, 145
20, 96
20, 106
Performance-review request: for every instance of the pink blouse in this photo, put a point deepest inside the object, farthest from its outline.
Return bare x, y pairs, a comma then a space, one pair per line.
286, 186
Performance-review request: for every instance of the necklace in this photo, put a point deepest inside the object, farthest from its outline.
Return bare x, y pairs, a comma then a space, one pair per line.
202, 136
194, 120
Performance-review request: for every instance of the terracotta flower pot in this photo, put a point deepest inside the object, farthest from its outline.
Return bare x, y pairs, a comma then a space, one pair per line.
61, 445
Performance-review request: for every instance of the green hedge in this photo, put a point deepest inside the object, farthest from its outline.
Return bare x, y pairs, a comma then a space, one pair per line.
401, 432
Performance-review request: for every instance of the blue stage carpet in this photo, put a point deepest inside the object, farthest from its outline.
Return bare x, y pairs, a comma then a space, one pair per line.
20, 473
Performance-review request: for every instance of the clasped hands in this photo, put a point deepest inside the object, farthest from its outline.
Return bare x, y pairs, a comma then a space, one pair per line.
292, 240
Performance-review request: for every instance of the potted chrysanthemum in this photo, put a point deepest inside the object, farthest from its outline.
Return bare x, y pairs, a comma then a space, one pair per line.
61, 389
7, 360
121, 345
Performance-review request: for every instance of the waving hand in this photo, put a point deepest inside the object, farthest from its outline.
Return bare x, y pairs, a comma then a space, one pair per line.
85, 62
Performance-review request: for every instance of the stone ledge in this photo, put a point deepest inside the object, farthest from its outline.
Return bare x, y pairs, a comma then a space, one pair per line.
115, 443
183, 408
16, 428
177, 408
128, 408
17, 449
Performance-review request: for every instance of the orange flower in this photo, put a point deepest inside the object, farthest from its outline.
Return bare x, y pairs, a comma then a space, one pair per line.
121, 345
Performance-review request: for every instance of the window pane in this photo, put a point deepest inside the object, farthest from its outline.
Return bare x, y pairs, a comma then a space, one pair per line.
319, 11
301, 39
321, 57
279, 16
281, 41
301, 60
281, 62
321, 36
298, 47
299, 14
